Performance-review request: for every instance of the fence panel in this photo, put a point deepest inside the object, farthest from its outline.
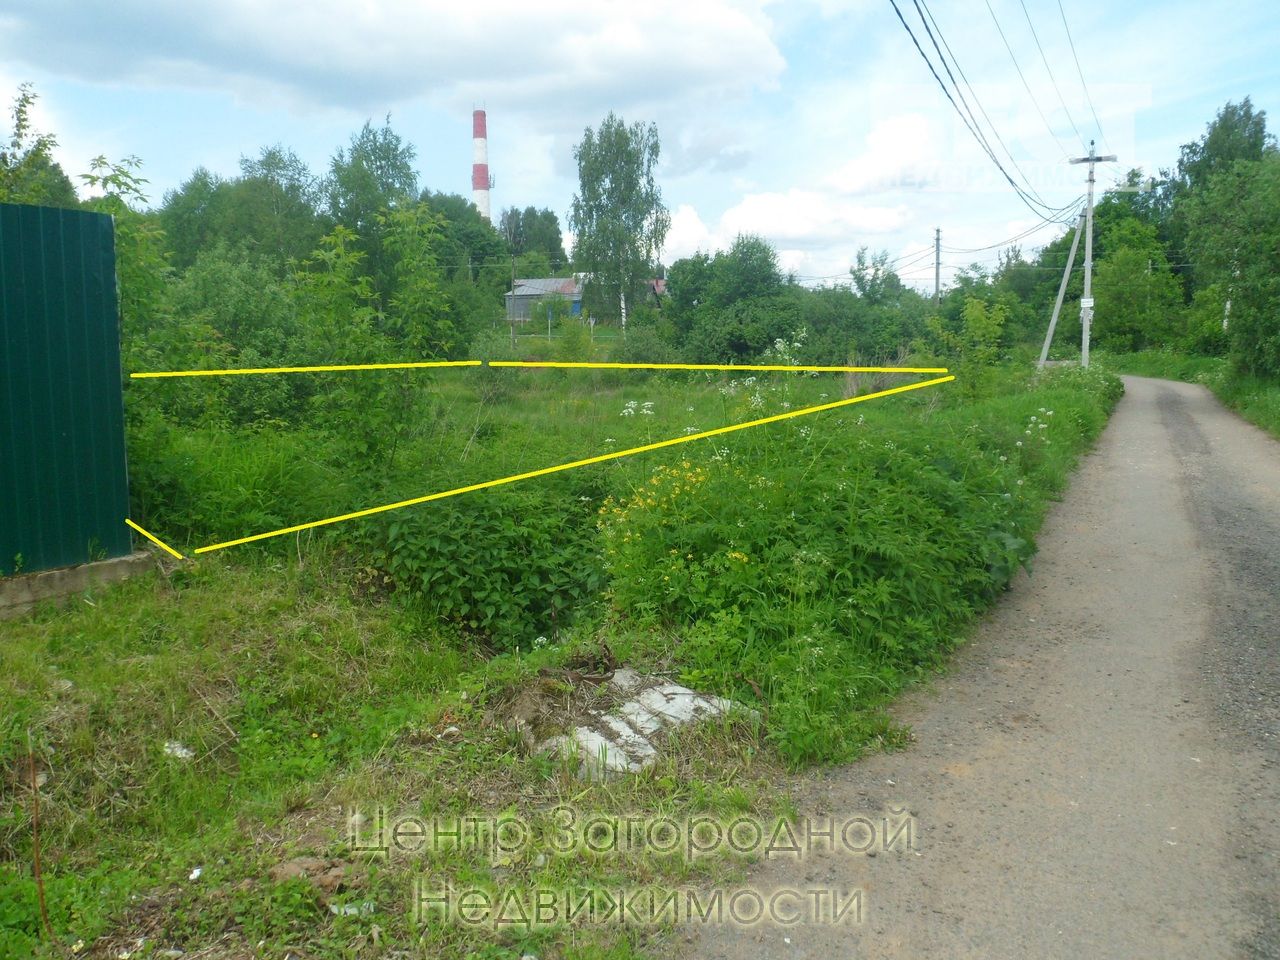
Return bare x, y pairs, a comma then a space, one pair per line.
63, 481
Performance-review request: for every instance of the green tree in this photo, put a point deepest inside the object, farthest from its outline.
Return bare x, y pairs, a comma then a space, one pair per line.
468, 242
418, 315
534, 231
975, 348
339, 316
746, 271
270, 211
1234, 238
237, 307
873, 279
141, 266
618, 219
688, 281
28, 172
372, 175
1238, 132
275, 205
190, 217
1139, 301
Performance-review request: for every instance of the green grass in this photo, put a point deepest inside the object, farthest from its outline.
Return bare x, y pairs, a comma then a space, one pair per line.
1255, 399
296, 696
311, 675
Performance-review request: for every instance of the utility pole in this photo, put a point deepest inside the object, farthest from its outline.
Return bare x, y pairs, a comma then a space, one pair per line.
1086, 301
1062, 292
937, 267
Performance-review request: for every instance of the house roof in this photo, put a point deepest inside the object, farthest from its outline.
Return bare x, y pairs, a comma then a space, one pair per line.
547, 286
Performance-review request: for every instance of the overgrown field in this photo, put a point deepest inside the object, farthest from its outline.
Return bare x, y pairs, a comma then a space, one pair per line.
229, 714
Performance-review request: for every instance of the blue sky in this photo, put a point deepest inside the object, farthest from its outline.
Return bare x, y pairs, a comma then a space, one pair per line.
811, 122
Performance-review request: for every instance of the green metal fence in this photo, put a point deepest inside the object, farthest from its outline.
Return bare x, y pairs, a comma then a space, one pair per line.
63, 482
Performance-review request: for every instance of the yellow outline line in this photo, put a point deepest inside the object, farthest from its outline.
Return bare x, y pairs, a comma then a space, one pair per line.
710, 366
154, 539
328, 369
730, 367
576, 463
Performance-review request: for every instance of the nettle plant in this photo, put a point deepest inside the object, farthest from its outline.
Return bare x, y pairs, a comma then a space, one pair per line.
510, 565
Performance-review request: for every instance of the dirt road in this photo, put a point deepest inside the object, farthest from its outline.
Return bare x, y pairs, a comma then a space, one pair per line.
1098, 775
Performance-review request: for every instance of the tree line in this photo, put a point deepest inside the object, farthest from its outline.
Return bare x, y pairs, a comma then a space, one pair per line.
279, 265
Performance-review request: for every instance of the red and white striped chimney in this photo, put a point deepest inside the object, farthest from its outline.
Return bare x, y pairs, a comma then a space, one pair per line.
480, 166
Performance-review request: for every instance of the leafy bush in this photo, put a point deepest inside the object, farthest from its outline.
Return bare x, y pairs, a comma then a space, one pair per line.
645, 345
510, 564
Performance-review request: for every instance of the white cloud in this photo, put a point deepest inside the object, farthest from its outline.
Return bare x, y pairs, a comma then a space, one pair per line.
814, 234
688, 235
896, 158
369, 56
809, 218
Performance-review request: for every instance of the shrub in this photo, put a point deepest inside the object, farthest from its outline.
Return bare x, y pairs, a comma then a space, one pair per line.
509, 564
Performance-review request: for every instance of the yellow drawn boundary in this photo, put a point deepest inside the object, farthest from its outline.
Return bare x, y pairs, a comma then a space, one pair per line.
557, 364
562, 365
545, 471
154, 539
154, 375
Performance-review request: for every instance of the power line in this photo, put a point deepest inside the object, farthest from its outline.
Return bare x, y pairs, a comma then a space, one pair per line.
1083, 86
1013, 239
1034, 102
1026, 198
973, 93
1048, 69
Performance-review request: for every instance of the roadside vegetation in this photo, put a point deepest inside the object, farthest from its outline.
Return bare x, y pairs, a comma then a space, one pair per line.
185, 737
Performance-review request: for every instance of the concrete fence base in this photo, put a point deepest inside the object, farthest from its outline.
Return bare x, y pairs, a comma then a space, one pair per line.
20, 594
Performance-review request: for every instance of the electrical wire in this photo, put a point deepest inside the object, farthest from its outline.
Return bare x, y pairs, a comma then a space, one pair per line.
1014, 239
1049, 70
973, 93
1034, 102
1026, 198
1083, 86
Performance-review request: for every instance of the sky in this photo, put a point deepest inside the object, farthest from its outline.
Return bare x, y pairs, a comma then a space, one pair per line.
812, 123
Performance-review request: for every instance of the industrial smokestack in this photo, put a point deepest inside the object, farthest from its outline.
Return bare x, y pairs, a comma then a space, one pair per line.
480, 182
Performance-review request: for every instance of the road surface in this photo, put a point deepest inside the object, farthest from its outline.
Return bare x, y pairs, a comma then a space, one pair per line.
1098, 774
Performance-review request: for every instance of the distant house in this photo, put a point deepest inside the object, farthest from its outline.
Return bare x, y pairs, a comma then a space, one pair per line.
525, 293
522, 297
